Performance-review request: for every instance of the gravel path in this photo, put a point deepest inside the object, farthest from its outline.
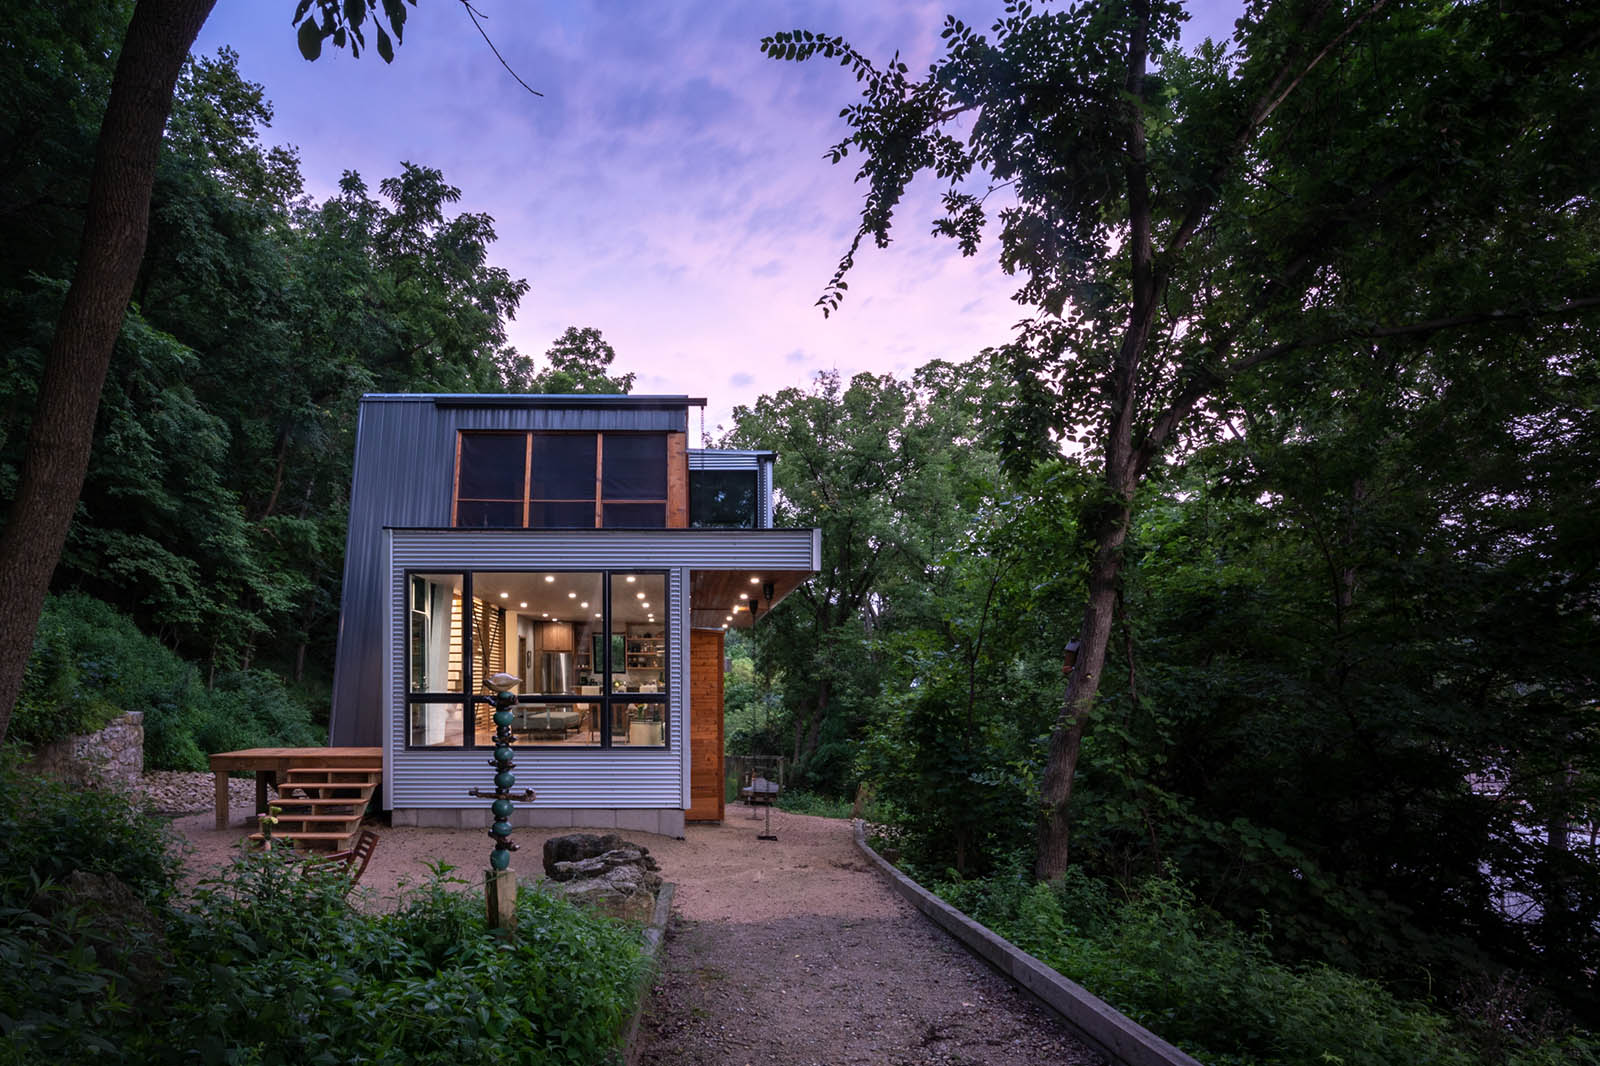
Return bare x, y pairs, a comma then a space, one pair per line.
795, 952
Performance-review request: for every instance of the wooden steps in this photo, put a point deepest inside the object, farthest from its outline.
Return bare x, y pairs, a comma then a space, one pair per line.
322, 806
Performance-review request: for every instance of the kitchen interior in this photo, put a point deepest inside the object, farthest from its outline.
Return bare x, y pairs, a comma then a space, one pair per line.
552, 635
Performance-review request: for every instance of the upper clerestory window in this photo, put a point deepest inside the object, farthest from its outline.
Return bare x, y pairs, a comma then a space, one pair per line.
561, 480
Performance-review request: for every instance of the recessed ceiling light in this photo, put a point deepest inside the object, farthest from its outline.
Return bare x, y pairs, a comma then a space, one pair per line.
546, 614
505, 595
524, 603
638, 595
549, 579
744, 595
755, 581
572, 595
646, 606
585, 603
631, 579
730, 618
724, 625
597, 614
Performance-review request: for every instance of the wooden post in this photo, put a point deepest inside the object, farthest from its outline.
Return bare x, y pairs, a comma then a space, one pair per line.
222, 798
500, 895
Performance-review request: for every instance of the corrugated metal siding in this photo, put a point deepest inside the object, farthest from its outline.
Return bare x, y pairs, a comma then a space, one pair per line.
765, 488
404, 469
724, 459
580, 549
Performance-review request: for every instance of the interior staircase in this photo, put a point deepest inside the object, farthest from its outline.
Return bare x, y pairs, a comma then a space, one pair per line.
321, 807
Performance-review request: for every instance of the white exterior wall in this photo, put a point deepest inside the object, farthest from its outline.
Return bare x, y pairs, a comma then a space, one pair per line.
573, 786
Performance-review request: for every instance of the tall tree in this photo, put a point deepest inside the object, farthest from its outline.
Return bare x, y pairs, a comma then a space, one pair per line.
890, 471
1353, 175
153, 50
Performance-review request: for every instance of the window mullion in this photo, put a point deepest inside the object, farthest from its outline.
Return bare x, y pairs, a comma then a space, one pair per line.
527, 476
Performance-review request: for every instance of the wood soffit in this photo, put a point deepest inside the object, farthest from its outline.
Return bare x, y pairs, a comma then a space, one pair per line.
713, 595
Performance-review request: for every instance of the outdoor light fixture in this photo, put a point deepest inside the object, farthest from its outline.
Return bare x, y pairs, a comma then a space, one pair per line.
767, 591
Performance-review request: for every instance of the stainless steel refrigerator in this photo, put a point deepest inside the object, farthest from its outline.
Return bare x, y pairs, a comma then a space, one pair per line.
555, 672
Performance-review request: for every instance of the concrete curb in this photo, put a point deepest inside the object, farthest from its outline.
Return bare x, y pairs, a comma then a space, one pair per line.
1119, 1038
628, 1055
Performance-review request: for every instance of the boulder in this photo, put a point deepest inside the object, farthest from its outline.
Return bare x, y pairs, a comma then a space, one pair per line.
609, 874
576, 847
600, 865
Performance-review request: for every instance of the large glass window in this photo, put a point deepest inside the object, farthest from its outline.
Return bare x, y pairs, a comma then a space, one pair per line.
722, 499
562, 480
589, 646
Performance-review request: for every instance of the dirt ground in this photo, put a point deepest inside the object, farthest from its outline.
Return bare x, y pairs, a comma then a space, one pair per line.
789, 952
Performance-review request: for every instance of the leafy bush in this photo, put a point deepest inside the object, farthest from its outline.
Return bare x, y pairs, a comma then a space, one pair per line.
278, 964
72, 968
799, 802
48, 830
268, 966
1197, 980
91, 664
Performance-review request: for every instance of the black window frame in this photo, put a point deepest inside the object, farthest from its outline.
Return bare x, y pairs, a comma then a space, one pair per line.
601, 503
703, 476
470, 701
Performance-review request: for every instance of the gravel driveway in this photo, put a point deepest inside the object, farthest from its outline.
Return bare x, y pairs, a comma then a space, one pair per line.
795, 952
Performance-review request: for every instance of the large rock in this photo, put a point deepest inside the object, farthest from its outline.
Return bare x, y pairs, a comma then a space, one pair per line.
601, 865
609, 874
576, 847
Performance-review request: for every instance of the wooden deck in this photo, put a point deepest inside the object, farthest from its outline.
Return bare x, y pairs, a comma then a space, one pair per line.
272, 764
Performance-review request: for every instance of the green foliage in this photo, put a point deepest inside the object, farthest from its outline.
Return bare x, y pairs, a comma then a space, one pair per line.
91, 664
580, 362
796, 801
280, 963
74, 973
48, 830
1196, 979
268, 965
214, 507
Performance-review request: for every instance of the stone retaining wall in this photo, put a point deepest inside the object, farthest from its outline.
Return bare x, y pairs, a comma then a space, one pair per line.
113, 756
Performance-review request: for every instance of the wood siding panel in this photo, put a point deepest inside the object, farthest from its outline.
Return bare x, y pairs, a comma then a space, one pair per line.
705, 726
677, 481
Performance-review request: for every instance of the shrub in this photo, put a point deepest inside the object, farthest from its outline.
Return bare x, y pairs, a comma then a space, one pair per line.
1199, 981
72, 969
798, 802
91, 664
48, 830
275, 962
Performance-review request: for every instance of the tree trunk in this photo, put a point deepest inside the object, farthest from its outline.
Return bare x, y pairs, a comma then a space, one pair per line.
1124, 465
115, 224
1082, 685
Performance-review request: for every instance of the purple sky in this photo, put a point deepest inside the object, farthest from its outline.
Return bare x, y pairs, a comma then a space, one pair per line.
668, 189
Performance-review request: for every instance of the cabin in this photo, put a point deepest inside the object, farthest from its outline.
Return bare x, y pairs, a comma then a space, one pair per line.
578, 543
